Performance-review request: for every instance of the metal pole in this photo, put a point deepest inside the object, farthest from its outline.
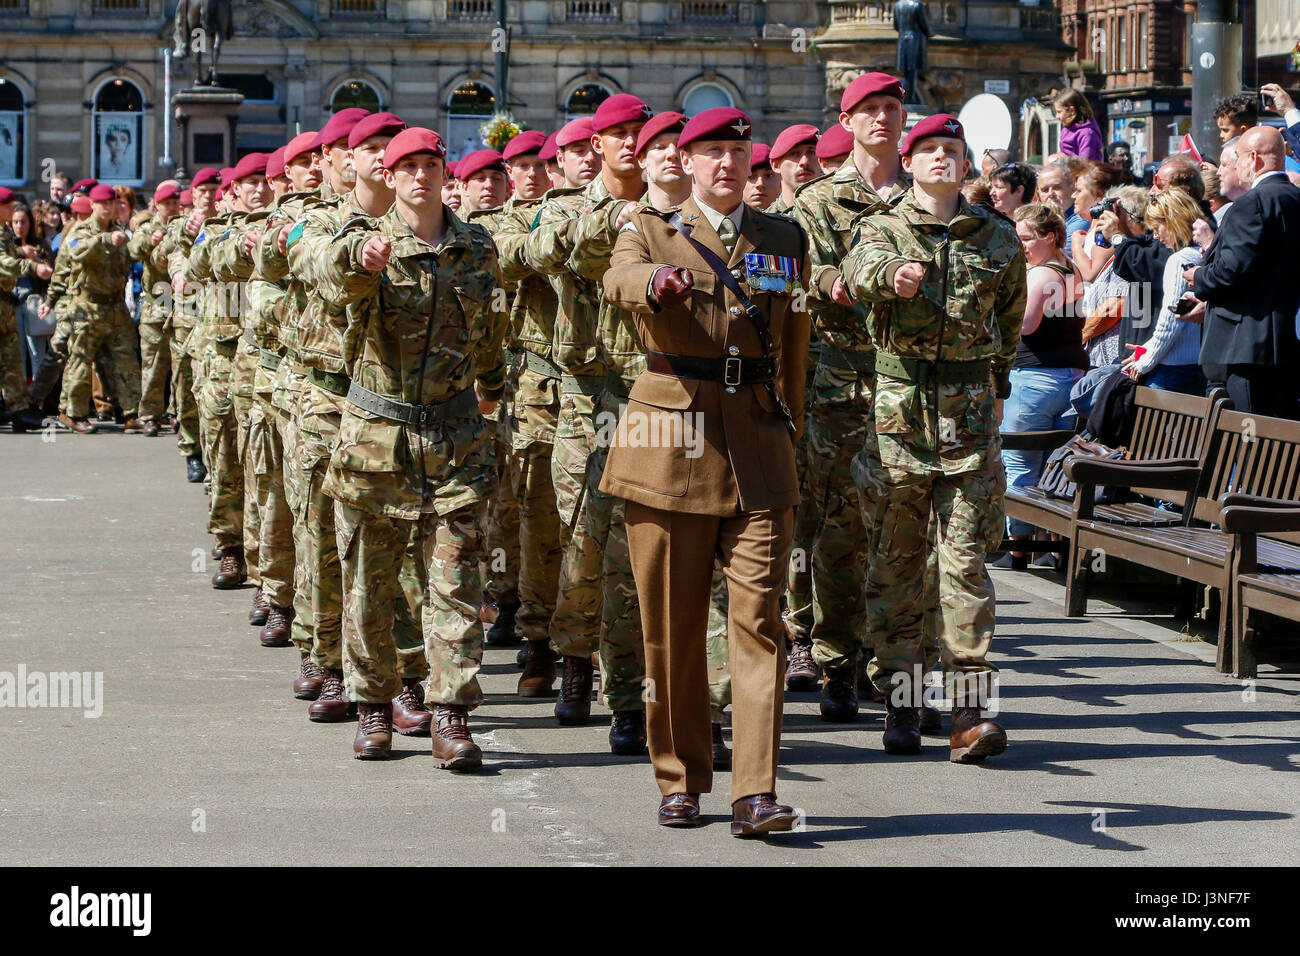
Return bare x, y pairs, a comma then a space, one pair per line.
1216, 68
167, 108
502, 47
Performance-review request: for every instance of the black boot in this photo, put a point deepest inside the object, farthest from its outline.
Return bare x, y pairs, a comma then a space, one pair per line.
502, 631
194, 469
627, 733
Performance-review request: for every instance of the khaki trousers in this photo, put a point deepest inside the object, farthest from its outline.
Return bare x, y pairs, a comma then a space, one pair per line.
673, 557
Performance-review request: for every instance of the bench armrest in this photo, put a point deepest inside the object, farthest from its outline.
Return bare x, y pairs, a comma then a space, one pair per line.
1036, 441
1240, 499
1178, 476
1239, 519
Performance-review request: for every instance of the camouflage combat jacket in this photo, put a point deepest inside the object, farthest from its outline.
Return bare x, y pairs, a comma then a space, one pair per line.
172, 256
100, 270
322, 322
420, 332
13, 266
218, 319
940, 352
155, 286
273, 267
252, 296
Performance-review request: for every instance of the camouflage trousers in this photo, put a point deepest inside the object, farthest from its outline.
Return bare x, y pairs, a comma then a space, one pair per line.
502, 588
182, 373
444, 552
102, 326
13, 374
286, 388
155, 366
717, 655
265, 462
957, 519
807, 520
245, 373
540, 545
220, 430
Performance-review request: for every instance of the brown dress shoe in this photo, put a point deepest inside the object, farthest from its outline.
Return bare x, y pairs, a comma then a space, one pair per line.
902, 730
974, 738
276, 631
680, 810
453, 746
538, 678
331, 704
931, 722
721, 755
150, 428
82, 426
233, 571
374, 740
752, 816
410, 717
801, 671
133, 426
573, 706
310, 678
839, 703
258, 613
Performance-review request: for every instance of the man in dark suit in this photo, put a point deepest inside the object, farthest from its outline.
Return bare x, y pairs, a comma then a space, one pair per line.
1252, 285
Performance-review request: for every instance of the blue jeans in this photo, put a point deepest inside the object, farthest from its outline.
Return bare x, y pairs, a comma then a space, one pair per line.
1188, 379
1040, 400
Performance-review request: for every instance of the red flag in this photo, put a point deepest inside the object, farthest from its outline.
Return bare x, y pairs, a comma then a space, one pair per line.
1187, 146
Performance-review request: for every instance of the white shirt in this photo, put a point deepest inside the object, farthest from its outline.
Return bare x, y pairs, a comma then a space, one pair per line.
1291, 118
1221, 212
1263, 176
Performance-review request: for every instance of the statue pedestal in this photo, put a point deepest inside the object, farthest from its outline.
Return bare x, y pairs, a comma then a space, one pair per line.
207, 116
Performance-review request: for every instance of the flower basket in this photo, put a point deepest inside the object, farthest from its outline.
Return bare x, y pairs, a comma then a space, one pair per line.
498, 131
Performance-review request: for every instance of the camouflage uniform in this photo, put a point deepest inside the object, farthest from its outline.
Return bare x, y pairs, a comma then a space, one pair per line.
99, 273
939, 355
840, 419
155, 354
421, 332
169, 257
13, 376
320, 340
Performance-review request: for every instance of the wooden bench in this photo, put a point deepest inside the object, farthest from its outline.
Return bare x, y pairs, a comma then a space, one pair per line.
1168, 427
1253, 588
1247, 454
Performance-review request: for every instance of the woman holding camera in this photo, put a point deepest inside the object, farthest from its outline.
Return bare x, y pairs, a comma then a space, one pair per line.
1170, 358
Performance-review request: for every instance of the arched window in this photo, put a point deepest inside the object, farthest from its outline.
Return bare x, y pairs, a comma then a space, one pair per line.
352, 93
705, 96
584, 100
13, 134
119, 133
470, 106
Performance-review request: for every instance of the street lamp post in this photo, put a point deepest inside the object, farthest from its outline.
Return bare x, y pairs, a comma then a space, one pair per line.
1216, 68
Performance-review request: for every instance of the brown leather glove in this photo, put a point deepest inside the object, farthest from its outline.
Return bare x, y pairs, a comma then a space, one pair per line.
672, 288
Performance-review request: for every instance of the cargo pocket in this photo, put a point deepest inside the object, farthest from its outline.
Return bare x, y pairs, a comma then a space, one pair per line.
369, 444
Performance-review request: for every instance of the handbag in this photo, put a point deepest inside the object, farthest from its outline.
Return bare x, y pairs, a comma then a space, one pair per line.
1056, 483
36, 326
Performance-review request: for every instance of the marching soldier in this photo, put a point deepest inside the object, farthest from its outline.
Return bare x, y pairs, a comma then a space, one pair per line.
413, 465
764, 186
834, 147
155, 353
794, 157
945, 288
713, 288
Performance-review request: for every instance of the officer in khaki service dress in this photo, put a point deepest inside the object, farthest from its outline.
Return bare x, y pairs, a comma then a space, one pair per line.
945, 286
704, 456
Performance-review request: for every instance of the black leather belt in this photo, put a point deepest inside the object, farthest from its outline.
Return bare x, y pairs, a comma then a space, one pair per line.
336, 383
458, 406
732, 371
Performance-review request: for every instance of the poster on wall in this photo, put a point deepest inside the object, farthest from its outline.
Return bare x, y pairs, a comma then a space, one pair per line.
11, 147
117, 147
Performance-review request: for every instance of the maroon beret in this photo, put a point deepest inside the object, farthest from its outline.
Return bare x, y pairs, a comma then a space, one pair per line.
166, 191
529, 141
793, 136
940, 124
719, 123
339, 126
226, 173
275, 164
478, 161
836, 141
103, 194
254, 164
574, 131
620, 108
81, 206
867, 84
452, 166
299, 145
548, 151
412, 140
6, 195
667, 122
760, 157
187, 197
376, 124
205, 175
84, 185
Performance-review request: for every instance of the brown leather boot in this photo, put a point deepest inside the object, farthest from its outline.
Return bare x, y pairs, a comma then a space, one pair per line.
752, 816
134, 426
839, 703
82, 426
974, 738
573, 706
150, 428
453, 747
276, 631
538, 678
258, 613
310, 678
902, 730
801, 671
374, 740
331, 704
233, 571
410, 717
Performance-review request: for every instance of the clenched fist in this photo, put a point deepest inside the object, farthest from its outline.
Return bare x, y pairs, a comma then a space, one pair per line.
625, 214
194, 224
43, 271
374, 254
908, 279
250, 241
156, 238
282, 241
840, 293
672, 287
117, 238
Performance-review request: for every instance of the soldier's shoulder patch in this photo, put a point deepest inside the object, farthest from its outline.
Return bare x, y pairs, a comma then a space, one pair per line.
294, 234
72, 241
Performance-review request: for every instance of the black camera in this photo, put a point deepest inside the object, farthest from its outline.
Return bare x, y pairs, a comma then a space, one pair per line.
1106, 205
1184, 305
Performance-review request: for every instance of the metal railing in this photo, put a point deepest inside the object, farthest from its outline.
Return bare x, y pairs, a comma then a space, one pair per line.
710, 11
471, 10
358, 8
592, 11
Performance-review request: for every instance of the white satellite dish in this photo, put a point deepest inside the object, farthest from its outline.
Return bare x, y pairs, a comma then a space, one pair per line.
988, 123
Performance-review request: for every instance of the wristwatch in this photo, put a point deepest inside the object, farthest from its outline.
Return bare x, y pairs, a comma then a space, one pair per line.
1119, 237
